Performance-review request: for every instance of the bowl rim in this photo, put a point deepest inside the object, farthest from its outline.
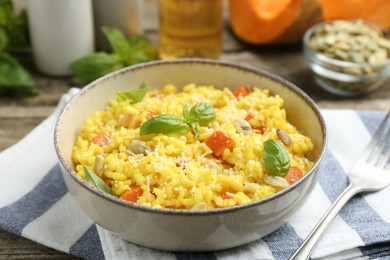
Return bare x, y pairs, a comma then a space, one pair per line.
345, 64
186, 212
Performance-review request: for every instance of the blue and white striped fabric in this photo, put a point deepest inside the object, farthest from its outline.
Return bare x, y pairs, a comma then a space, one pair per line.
34, 203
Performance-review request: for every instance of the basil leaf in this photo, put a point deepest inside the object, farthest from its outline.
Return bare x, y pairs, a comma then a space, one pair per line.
14, 25
3, 39
135, 50
6, 11
202, 113
125, 52
17, 31
276, 158
95, 65
14, 79
186, 112
96, 181
196, 128
117, 40
164, 124
134, 95
141, 49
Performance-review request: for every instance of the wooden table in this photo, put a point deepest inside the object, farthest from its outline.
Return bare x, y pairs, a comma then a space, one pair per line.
19, 116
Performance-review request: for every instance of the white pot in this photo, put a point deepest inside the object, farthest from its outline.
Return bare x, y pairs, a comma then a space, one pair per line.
61, 31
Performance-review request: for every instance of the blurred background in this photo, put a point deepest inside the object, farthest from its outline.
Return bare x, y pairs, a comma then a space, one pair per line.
67, 38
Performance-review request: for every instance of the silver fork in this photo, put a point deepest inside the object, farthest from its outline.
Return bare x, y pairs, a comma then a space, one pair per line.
371, 172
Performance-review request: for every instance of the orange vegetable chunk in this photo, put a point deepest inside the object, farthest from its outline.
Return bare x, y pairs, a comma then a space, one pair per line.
241, 91
101, 139
225, 196
132, 194
249, 116
218, 142
293, 174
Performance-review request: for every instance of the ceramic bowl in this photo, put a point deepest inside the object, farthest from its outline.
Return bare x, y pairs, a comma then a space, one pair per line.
184, 230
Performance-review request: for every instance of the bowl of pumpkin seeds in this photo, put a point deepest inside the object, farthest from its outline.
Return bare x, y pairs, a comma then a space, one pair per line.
348, 57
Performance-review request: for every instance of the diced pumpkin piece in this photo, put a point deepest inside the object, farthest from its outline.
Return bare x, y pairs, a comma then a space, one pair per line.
102, 139
241, 91
293, 174
132, 194
218, 142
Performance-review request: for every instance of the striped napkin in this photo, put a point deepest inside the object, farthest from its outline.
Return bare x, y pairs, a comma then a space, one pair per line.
35, 203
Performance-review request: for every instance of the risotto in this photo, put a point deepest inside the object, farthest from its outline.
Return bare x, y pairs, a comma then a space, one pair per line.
197, 148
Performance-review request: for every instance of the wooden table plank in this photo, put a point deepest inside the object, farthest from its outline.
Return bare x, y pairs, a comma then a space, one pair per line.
16, 247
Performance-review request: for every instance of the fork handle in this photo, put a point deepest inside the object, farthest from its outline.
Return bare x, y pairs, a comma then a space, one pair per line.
307, 247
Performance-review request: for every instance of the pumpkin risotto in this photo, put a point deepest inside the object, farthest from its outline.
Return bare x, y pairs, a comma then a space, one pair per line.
198, 148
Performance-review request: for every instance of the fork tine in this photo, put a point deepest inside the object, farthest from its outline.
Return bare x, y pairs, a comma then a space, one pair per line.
385, 163
369, 152
382, 145
381, 161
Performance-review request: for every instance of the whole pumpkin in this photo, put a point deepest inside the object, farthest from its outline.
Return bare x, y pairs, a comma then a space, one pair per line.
285, 21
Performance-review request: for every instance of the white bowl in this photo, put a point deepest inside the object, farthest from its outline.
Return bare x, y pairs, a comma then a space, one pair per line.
183, 230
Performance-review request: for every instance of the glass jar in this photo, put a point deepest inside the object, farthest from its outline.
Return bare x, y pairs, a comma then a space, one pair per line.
340, 77
190, 29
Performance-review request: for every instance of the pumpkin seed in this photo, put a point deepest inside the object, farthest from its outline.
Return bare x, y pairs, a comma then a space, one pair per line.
284, 137
199, 206
125, 120
98, 167
213, 165
242, 126
342, 46
384, 43
276, 181
357, 57
137, 147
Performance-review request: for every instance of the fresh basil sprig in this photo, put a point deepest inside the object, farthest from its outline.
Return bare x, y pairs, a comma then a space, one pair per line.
15, 79
15, 25
125, 52
134, 95
164, 124
96, 181
199, 114
95, 65
276, 158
